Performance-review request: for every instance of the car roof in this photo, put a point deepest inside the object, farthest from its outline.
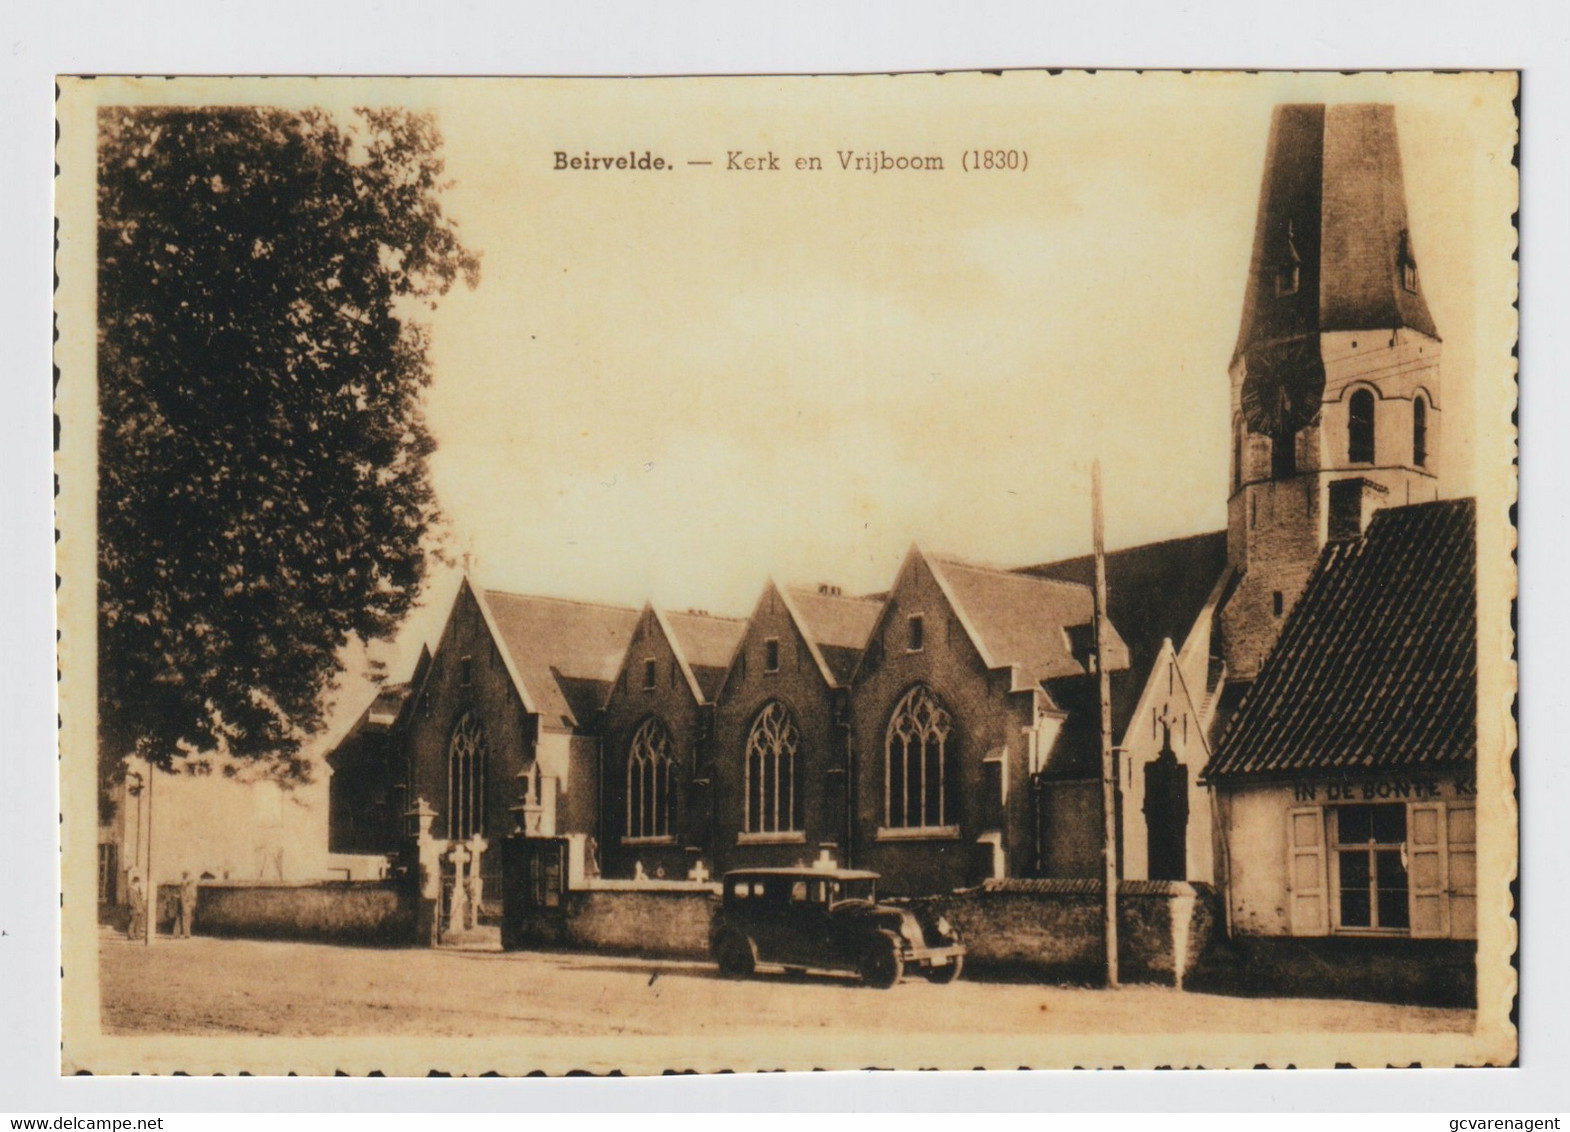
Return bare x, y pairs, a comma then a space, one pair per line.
806, 873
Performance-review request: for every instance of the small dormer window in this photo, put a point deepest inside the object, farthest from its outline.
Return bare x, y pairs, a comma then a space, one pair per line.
1407, 262
1288, 267
649, 675
771, 655
916, 628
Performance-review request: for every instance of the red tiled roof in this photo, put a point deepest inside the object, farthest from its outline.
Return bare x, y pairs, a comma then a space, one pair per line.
1376, 666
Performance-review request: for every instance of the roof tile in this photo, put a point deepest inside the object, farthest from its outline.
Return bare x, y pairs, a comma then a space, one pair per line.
1376, 666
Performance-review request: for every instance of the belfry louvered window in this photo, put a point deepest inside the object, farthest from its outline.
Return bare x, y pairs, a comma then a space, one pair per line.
918, 763
467, 756
651, 796
1360, 427
773, 784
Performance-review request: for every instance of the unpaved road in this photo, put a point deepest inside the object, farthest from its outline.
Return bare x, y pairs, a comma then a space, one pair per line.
213, 986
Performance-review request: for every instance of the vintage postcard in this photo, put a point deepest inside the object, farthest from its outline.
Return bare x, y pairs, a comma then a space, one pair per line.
917, 571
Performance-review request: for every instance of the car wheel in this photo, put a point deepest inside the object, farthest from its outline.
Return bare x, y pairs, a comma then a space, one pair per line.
882, 965
948, 972
733, 952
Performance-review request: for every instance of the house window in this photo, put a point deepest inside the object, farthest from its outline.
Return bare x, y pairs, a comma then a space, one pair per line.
465, 671
1346, 509
1360, 427
1276, 603
771, 655
649, 675
915, 628
1371, 868
918, 753
651, 793
467, 755
773, 785
1419, 431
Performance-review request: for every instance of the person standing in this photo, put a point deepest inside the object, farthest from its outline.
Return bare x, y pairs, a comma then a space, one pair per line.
185, 912
138, 900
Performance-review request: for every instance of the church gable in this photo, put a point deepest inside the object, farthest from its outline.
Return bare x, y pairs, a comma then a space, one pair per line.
468, 702
771, 645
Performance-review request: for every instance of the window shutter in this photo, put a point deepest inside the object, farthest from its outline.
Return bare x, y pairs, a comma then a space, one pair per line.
1461, 859
1426, 872
1306, 888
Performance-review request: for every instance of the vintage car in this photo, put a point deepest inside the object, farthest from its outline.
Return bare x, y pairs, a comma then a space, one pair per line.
827, 919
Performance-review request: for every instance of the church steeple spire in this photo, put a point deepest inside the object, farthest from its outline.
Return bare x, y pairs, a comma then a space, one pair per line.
1335, 376
1333, 200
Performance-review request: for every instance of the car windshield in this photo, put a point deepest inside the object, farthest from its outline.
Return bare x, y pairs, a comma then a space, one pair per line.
863, 889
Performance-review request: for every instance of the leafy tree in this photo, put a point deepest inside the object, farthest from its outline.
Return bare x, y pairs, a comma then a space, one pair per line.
263, 455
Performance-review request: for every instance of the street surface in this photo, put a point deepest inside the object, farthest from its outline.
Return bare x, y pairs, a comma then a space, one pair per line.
219, 986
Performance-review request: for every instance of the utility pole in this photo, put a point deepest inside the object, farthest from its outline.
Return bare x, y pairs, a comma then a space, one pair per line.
152, 884
1109, 844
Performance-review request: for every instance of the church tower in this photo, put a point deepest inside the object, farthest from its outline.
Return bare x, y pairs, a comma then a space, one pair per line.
1335, 378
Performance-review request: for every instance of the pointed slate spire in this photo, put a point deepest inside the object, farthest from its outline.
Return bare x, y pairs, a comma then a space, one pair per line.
1332, 247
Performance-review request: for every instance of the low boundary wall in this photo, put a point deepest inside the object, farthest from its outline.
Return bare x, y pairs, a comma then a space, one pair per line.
1046, 930
376, 913
1052, 930
655, 918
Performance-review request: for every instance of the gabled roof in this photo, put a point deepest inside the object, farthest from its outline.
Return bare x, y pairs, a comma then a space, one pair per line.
835, 627
388, 710
1376, 667
704, 645
562, 655
1155, 592
1019, 621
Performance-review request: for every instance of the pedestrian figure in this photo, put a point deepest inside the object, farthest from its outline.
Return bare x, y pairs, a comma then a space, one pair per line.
138, 898
187, 913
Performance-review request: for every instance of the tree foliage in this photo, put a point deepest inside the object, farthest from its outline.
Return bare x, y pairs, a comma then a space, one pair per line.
263, 454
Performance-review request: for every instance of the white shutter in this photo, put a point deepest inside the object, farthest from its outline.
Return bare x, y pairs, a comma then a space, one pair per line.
1461, 857
1307, 895
1426, 870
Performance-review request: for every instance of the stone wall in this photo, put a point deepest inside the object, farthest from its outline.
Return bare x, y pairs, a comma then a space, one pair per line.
1052, 929
359, 912
670, 919
1039, 929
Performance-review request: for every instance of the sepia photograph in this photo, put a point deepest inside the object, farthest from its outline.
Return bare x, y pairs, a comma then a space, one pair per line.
923, 571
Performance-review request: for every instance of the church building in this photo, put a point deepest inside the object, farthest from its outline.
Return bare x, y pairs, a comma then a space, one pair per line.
1293, 698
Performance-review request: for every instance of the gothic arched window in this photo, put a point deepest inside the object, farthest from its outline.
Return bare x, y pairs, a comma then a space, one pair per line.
1419, 431
1360, 427
651, 793
773, 784
467, 756
918, 756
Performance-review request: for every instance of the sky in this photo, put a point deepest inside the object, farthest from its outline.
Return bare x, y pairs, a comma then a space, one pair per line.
672, 385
